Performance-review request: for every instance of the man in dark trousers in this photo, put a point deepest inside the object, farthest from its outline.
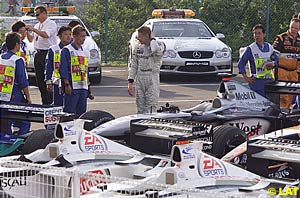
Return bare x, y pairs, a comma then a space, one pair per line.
44, 36
14, 84
73, 71
52, 74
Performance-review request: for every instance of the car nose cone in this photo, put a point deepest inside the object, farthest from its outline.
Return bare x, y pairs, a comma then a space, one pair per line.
196, 54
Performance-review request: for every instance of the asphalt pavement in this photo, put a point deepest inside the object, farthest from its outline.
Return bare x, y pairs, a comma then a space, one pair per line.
111, 94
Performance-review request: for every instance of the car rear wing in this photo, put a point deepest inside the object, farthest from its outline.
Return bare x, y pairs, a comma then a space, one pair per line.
283, 87
157, 136
49, 115
266, 154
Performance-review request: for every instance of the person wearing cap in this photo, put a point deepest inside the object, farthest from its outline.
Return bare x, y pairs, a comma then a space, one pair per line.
144, 70
258, 54
52, 76
14, 84
288, 45
73, 71
43, 36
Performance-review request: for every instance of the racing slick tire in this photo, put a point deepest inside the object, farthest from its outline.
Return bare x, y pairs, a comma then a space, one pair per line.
226, 138
38, 139
97, 118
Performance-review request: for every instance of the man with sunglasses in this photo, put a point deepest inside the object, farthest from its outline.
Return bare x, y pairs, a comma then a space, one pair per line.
43, 36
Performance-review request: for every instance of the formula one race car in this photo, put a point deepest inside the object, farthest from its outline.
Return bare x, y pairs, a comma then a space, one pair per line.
273, 155
237, 113
85, 152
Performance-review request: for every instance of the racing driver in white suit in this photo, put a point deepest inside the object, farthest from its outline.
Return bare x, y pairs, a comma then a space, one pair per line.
145, 62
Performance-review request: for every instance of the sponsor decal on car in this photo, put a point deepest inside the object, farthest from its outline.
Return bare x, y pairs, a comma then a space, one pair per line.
187, 152
87, 184
93, 143
281, 172
252, 127
231, 87
240, 160
49, 118
210, 167
245, 95
9, 183
68, 130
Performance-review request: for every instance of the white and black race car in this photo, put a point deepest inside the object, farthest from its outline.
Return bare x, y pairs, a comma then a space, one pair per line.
273, 155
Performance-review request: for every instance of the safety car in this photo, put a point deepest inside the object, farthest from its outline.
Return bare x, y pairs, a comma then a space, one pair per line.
86, 152
61, 16
191, 46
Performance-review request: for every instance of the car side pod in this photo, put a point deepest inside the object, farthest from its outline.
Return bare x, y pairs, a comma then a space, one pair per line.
194, 168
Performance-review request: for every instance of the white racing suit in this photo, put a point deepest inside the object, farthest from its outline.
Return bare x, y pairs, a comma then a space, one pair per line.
144, 70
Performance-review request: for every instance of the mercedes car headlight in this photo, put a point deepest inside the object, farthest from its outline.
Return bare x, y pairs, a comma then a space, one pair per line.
94, 54
224, 53
169, 54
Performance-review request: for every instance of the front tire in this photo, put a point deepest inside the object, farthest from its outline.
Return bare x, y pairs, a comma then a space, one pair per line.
226, 138
38, 139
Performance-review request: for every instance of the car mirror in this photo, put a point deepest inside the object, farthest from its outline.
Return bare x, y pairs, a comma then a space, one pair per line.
220, 36
95, 34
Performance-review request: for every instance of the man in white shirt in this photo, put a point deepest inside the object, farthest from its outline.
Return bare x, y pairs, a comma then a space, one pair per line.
43, 36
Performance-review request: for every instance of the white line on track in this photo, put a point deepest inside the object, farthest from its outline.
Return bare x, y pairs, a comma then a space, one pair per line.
161, 85
115, 70
130, 102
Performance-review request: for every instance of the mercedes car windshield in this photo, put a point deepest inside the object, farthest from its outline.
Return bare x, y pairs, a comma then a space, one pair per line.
181, 29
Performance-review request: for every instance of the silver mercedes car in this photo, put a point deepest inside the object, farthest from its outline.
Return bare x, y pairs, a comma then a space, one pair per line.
191, 47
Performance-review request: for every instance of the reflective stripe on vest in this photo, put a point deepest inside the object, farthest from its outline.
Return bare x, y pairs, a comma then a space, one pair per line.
79, 68
7, 77
24, 56
260, 58
56, 60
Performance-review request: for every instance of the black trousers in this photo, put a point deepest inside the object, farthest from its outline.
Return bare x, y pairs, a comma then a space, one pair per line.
39, 66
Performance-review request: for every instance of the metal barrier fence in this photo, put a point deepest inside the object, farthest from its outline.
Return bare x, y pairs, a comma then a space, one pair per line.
27, 180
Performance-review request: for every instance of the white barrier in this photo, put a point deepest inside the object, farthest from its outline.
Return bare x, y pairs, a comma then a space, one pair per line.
27, 180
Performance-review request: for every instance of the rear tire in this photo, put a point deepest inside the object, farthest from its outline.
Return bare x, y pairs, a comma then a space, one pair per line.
38, 139
226, 138
97, 117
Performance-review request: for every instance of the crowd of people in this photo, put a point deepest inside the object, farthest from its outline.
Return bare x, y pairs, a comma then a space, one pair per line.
61, 68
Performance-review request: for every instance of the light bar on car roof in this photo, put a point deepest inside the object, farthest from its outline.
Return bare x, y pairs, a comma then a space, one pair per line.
50, 9
169, 13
